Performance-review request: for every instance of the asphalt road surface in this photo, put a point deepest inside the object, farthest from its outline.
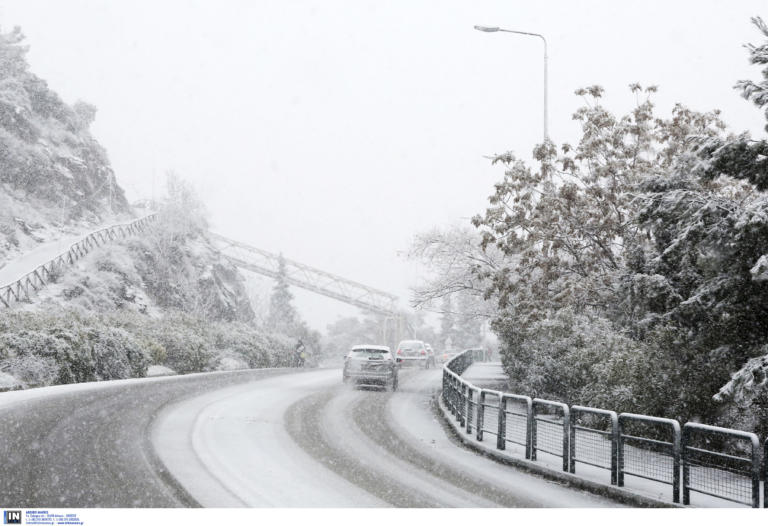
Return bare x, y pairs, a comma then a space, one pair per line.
249, 438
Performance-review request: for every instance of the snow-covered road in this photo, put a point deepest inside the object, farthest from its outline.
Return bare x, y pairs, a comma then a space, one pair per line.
248, 438
306, 440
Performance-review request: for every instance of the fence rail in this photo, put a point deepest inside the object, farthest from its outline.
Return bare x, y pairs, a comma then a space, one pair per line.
705, 470
551, 421
40, 276
595, 439
714, 461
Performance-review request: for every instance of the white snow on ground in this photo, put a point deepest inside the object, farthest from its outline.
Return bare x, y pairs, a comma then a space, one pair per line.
229, 448
415, 419
336, 426
482, 373
30, 260
159, 370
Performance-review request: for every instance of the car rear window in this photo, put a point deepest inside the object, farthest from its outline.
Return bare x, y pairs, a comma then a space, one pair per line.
410, 346
370, 353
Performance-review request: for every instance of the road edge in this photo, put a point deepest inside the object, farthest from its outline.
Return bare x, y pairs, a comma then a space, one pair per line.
615, 493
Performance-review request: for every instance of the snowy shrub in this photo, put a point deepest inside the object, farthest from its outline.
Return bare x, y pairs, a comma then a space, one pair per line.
33, 370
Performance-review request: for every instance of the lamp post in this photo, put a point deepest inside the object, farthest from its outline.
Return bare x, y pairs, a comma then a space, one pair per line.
486, 29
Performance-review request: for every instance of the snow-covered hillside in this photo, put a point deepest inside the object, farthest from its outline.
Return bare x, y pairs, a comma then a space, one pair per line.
162, 297
55, 178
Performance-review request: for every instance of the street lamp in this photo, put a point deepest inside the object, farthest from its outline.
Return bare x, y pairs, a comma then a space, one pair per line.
486, 29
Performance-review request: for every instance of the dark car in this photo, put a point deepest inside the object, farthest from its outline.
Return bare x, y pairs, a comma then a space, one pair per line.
371, 366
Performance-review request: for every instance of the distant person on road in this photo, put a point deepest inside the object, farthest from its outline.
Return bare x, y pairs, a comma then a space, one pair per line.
300, 355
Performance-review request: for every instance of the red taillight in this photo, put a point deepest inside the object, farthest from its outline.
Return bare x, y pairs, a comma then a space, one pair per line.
423, 353
399, 351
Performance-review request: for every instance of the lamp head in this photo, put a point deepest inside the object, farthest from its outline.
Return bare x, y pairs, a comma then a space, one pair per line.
487, 29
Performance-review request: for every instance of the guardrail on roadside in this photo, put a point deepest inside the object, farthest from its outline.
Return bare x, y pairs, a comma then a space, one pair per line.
40, 276
714, 461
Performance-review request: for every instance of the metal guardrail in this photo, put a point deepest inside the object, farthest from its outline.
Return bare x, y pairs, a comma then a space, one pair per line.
549, 434
732, 477
482, 408
40, 276
715, 461
649, 458
516, 423
595, 439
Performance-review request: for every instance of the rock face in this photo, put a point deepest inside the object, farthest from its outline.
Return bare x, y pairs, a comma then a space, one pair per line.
52, 171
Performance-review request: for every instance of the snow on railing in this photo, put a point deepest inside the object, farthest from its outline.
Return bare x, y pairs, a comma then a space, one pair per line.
625, 445
36, 279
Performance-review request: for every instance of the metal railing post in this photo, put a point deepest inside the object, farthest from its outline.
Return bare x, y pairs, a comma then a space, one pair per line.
480, 415
566, 434
572, 451
532, 433
756, 473
620, 457
676, 450
686, 466
614, 448
470, 393
501, 431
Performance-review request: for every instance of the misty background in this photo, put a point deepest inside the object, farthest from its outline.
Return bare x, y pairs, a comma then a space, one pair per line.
333, 132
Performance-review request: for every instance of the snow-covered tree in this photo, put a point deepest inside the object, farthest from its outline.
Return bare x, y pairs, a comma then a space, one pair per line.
569, 230
453, 260
282, 317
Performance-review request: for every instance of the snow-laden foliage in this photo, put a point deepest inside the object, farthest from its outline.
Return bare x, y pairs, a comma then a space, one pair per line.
67, 348
745, 396
59, 346
455, 263
571, 230
636, 271
757, 92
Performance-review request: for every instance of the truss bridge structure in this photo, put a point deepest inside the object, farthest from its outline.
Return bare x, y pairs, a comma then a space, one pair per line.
266, 263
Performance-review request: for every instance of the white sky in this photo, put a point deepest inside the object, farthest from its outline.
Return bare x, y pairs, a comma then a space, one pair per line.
333, 131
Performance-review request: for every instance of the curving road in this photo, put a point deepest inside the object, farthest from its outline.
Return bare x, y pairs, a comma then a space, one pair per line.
249, 438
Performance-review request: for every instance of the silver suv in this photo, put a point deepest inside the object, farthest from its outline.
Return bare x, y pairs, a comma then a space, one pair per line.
371, 366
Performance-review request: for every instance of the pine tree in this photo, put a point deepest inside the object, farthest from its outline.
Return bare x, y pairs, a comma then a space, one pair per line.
282, 317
